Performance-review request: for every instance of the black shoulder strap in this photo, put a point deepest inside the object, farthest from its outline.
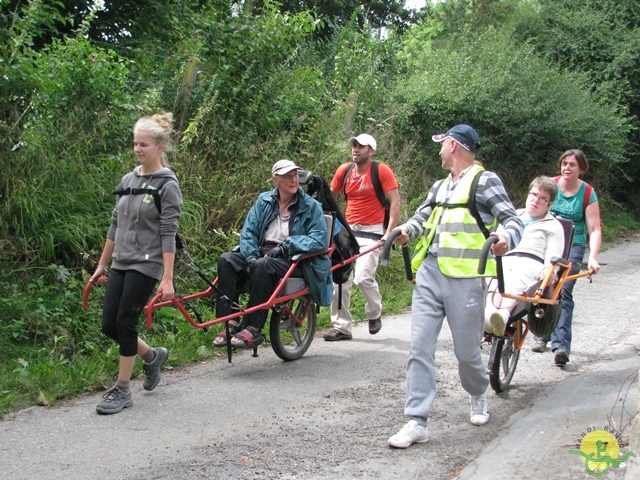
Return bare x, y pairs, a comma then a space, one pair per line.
433, 203
375, 179
153, 191
473, 209
346, 177
471, 204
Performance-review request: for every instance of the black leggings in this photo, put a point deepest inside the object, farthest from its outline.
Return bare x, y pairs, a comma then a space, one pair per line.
127, 294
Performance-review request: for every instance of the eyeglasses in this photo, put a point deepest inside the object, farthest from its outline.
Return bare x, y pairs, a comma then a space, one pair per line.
537, 196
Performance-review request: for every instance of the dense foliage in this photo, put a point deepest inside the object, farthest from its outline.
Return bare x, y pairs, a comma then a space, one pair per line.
599, 39
521, 133
274, 80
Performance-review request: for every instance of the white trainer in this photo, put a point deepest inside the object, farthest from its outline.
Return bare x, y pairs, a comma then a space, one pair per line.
498, 322
409, 434
479, 414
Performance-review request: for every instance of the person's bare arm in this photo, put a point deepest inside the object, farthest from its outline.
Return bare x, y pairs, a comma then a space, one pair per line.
592, 219
393, 196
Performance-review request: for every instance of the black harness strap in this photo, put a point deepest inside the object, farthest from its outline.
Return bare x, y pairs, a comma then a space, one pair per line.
470, 204
155, 193
377, 186
525, 255
369, 235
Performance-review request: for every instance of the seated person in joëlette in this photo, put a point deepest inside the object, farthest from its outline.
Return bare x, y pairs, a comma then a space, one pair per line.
281, 223
527, 263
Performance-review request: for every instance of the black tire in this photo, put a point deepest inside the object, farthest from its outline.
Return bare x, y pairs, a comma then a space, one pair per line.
503, 360
292, 327
543, 319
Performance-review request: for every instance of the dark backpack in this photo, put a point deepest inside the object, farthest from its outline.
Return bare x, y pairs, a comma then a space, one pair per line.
377, 186
345, 241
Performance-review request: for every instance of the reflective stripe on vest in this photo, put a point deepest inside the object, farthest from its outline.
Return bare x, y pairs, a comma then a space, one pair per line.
459, 237
422, 247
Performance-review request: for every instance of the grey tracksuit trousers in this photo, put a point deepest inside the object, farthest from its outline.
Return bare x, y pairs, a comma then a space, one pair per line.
462, 301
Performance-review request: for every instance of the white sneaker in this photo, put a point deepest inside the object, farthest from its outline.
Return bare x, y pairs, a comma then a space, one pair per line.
498, 322
479, 414
409, 434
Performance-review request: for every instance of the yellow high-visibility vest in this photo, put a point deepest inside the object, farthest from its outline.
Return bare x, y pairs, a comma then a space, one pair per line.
460, 238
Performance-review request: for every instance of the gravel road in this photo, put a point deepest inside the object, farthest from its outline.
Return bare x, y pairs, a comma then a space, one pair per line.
325, 416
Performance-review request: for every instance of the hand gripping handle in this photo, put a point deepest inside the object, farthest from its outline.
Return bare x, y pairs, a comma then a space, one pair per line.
405, 253
484, 254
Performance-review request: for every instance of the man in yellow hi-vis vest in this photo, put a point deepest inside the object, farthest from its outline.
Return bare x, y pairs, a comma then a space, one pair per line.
454, 220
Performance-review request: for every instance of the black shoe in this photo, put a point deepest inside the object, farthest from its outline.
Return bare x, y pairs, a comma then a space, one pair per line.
115, 400
561, 357
152, 370
375, 325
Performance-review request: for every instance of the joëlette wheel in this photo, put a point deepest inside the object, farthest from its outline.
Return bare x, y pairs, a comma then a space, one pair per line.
292, 327
503, 360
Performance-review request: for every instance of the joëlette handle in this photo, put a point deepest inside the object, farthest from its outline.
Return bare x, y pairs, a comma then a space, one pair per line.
405, 253
85, 295
484, 254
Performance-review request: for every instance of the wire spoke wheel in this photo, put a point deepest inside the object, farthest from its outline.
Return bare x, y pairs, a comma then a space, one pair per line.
503, 360
292, 327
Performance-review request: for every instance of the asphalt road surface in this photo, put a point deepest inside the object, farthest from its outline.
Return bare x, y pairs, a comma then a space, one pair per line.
329, 414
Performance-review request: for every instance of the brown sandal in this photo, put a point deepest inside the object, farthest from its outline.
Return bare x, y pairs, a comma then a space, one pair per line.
221, 338
336, 335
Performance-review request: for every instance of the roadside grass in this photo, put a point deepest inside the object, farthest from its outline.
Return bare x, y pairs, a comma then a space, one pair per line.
617, 223
33, 376
76, 358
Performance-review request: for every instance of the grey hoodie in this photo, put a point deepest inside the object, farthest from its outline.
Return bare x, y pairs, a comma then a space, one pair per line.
140, 232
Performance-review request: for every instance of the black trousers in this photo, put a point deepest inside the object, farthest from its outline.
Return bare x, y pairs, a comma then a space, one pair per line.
265, 275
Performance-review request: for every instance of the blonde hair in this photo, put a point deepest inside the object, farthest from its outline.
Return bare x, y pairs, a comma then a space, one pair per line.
160, 126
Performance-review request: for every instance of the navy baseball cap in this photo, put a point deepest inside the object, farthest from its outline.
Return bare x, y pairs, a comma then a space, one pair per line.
463, 134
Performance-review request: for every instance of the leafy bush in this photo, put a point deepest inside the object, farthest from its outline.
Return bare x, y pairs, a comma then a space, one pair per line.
526, 112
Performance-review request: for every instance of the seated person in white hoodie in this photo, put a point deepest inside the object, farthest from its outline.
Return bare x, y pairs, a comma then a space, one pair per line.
543, 239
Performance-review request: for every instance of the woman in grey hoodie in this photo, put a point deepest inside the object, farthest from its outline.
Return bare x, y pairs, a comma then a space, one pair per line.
141, 247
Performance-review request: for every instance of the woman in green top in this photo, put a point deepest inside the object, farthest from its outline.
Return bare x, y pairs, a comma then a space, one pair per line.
570, 203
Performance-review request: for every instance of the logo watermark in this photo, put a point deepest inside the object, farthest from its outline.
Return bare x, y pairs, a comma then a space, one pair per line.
600, 449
